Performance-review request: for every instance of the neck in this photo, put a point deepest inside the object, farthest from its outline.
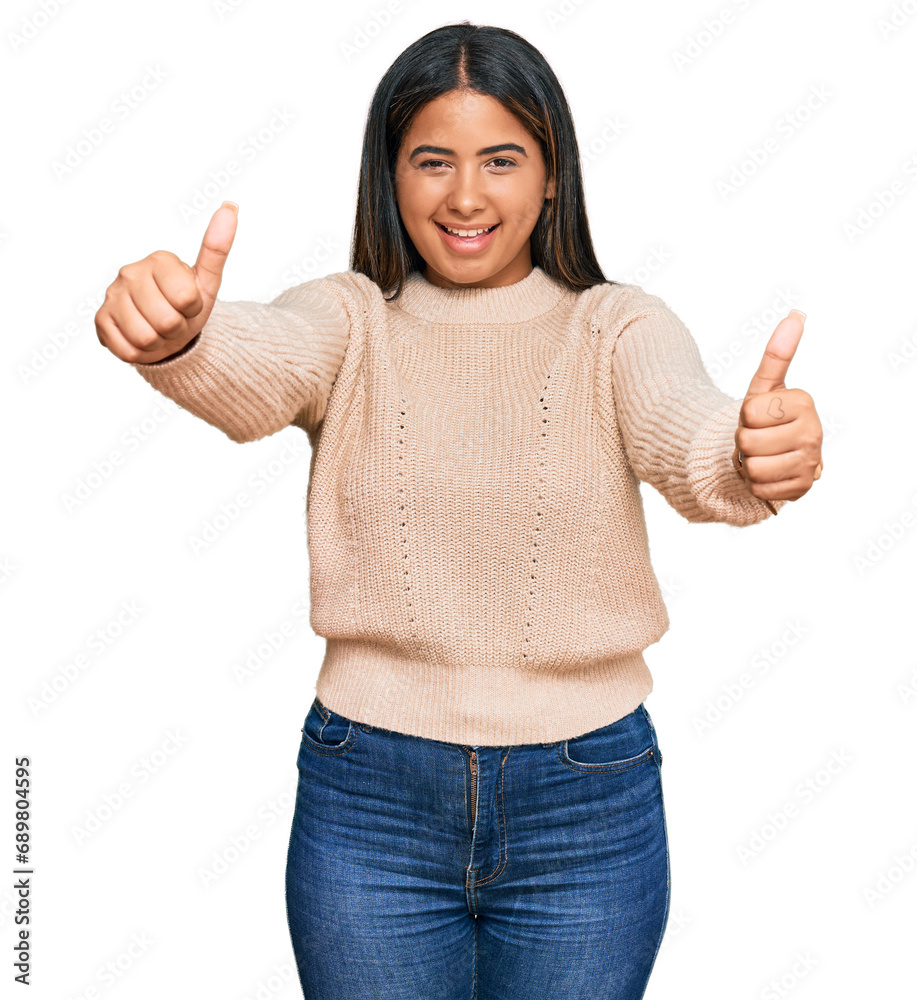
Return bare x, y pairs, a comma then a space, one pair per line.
522, 300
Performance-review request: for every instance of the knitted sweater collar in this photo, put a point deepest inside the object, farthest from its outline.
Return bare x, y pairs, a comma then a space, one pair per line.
534, 295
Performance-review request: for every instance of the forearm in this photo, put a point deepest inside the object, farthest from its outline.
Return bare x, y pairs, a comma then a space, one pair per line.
254, 366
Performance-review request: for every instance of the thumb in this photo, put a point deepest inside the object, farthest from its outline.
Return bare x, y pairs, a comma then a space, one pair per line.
211, 258
778, 354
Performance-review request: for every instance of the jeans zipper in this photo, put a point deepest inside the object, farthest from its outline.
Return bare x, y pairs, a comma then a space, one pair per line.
474, 783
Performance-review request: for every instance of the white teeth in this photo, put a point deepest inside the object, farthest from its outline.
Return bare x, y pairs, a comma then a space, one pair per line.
465, 232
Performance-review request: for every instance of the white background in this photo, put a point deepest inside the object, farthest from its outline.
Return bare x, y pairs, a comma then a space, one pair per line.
667, 106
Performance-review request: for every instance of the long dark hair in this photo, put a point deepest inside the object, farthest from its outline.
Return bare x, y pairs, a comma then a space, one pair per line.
498, 63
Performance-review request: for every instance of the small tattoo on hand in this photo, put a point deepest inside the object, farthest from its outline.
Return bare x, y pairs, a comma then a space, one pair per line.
777, 413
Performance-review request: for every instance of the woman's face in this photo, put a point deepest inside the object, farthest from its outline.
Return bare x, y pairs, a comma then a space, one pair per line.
468, 164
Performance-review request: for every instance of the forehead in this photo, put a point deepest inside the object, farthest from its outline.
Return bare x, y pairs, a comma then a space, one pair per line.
467, 115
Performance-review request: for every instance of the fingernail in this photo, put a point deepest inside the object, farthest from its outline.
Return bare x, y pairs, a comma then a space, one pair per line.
232, 205
800, 312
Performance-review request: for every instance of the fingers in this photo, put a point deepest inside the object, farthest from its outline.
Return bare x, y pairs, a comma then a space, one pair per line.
767, 440
769, 475
215, 247
131, 337
148, 306
156, 306
776, 474
774, 407
770, 468
778, 353
174, 282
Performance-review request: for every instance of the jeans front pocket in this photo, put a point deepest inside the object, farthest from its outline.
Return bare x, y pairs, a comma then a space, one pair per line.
325, 732
622, 744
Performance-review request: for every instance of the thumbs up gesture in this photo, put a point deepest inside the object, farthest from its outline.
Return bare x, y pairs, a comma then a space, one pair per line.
779, 437
158, 305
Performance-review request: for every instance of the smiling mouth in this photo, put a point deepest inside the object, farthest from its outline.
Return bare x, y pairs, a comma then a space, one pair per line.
446, 229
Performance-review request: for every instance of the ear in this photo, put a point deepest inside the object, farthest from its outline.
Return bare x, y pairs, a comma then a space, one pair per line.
551, 191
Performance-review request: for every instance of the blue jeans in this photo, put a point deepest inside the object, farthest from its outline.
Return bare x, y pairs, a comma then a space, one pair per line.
424, 870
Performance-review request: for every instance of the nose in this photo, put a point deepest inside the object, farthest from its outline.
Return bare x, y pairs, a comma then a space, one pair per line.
466, 195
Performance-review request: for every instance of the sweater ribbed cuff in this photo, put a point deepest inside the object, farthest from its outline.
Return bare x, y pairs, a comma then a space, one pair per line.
719, 490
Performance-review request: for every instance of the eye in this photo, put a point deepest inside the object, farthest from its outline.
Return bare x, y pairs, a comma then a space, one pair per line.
497, 161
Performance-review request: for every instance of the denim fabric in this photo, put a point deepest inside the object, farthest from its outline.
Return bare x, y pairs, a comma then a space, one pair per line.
544, 873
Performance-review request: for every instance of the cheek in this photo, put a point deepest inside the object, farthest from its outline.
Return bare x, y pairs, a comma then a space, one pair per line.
410, 199
523, 213
401, 186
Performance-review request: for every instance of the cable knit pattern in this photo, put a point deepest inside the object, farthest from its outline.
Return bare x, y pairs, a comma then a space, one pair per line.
254, 369
480, 566
678, 427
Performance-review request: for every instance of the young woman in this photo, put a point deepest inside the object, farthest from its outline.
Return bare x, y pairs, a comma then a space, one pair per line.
480, 808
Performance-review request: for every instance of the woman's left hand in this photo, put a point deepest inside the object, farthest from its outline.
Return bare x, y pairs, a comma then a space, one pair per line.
779, 437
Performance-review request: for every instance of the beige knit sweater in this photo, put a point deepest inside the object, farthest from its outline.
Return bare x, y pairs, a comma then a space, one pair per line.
479, 559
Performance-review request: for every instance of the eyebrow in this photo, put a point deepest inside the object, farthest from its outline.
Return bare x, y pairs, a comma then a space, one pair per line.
486, 151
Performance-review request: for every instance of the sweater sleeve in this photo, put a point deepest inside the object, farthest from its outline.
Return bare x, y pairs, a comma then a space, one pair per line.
677, 427
255, 368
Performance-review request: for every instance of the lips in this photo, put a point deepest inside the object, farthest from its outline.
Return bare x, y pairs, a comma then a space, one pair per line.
488, 230
467, 246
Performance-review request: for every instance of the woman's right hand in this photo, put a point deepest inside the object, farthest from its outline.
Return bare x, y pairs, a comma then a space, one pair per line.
158, 305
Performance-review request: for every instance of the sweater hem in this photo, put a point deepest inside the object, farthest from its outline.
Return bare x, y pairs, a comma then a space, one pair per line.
494, 705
